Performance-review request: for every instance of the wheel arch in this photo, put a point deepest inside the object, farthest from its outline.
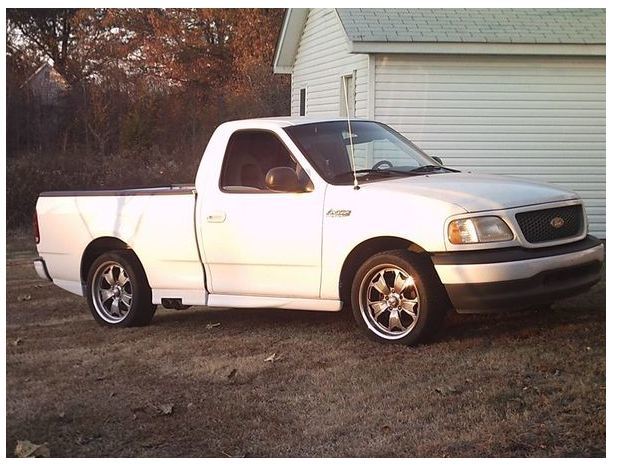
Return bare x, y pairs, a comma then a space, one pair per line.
99, 246
365, 250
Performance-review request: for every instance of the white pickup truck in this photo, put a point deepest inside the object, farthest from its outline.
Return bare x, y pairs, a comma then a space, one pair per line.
315, 214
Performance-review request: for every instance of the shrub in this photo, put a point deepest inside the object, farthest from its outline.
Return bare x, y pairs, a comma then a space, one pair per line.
28, 175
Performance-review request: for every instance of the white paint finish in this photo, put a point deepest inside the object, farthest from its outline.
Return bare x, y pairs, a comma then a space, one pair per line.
289, 303
322, 59
158, 228
473, 193
39, 267
514, 270
384, 208
408, 207
252, 252
75, 287
541, 118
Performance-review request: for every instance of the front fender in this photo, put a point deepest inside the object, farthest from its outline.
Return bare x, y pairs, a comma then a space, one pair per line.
354, 216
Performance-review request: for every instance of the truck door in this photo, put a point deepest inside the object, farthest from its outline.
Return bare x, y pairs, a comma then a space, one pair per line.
257, 241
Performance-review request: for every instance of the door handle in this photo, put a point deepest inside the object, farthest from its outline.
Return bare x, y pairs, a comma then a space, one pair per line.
216, 216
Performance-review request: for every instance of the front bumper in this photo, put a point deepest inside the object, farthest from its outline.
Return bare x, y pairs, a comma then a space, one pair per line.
518, 278
41, 268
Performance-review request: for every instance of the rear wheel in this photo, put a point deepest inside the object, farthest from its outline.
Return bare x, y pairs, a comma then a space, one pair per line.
397, 297
118, 292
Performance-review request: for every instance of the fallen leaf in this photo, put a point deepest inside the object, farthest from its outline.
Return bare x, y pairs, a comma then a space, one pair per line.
166, 409
27, 449
274, 357
445, 390
213, 325
24, 298
17, 341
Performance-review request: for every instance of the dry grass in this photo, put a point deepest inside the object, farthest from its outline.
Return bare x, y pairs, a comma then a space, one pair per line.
518, 384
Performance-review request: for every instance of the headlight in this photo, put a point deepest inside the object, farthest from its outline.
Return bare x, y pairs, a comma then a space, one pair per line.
479, 230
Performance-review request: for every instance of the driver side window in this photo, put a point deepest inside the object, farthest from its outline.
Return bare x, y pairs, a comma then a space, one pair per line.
249, 156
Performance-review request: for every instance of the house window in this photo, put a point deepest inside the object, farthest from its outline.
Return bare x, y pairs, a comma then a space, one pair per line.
302, 101
347, 95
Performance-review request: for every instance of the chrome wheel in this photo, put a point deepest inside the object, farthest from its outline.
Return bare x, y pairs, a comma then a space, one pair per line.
389, 301
111, 292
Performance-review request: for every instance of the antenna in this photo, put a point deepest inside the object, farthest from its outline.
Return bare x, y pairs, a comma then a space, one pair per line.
356, 185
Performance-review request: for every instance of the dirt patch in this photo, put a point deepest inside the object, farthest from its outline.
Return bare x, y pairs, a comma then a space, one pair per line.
518, 384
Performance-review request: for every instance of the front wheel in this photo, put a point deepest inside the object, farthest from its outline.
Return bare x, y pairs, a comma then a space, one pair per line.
118, 291
397, 297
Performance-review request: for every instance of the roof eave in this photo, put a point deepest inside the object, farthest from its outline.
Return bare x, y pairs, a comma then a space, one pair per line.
481, 48
288, 41
284, 70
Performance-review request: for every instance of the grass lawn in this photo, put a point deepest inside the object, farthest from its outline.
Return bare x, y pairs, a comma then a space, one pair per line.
196, 383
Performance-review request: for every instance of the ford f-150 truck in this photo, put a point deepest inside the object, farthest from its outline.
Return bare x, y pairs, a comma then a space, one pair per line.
319, 214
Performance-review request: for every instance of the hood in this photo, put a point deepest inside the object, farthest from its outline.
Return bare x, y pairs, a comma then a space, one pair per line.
475, 192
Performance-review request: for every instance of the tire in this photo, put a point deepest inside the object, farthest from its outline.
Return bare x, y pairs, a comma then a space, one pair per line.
118, 292
397, 297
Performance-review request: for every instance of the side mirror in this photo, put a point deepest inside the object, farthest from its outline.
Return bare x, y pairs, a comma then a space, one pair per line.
437, 159
283, 179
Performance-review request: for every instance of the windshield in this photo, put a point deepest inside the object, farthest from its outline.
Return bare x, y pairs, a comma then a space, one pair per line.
378, 150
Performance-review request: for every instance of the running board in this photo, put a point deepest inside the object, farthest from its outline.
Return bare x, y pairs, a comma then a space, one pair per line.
245, 301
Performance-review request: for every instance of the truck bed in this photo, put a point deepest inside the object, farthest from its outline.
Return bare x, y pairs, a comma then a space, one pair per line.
158, 227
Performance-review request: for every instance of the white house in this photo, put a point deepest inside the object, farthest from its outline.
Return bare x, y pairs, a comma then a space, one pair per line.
508, 91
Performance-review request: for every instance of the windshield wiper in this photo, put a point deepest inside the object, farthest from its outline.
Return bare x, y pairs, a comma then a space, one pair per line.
370, 172
383, 172
426, 168
431, 168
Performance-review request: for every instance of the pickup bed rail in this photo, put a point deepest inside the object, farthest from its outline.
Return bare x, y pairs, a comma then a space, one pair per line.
161, 190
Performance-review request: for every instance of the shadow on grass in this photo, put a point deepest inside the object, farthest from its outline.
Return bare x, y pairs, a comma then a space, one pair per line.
456, 327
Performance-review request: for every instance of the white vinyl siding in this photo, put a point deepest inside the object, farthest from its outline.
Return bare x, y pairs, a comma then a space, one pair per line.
322, 59
542, 118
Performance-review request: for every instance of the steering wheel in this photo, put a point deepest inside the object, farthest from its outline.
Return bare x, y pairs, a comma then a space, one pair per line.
380, 163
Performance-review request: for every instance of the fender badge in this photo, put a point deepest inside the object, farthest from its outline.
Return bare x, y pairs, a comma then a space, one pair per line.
557, 222
338, 213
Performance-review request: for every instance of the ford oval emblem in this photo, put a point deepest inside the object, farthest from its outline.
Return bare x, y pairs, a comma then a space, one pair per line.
557, 222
